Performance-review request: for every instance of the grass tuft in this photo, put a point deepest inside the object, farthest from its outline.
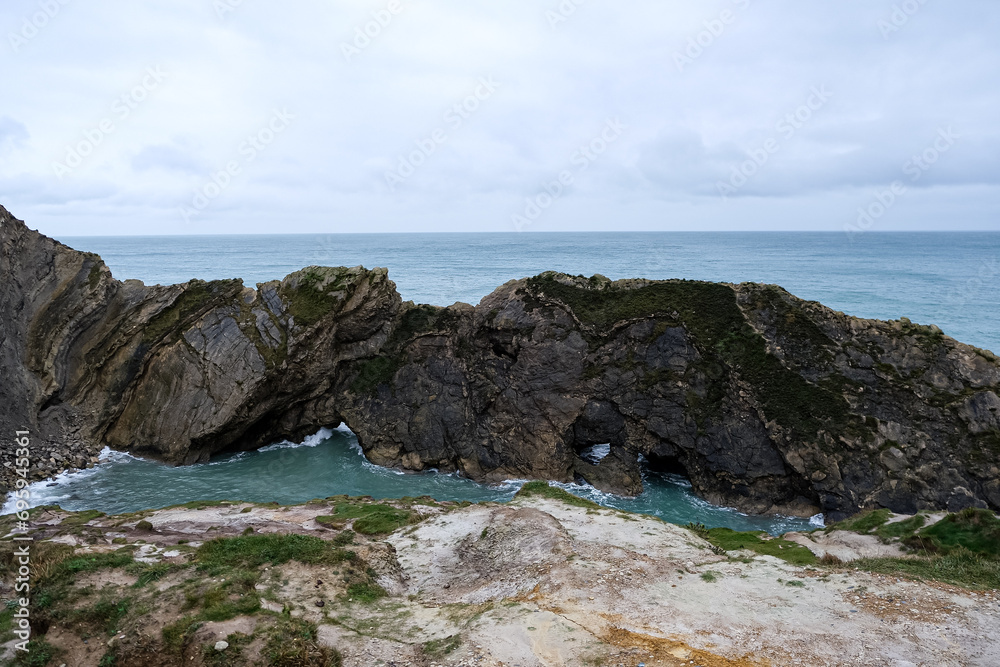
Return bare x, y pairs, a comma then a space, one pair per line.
250, 551
731, 540
542, 489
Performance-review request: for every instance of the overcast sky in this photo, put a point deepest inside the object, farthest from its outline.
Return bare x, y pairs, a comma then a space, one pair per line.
229, 116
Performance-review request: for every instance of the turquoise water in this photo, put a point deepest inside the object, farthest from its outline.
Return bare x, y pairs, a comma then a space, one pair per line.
331, 463
946, 279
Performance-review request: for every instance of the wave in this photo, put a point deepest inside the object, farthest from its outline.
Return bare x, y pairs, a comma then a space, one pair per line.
313, 440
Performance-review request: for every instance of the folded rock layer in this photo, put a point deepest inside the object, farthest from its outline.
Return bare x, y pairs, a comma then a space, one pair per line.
766, 402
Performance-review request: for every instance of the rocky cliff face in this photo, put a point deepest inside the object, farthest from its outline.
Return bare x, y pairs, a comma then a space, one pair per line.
766, 402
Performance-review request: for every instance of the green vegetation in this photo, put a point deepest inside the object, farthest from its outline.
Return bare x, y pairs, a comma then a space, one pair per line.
252, 551
309, 301
196, 299
541, 488
177, 634
710, 577
232, 656
344, 539
94, 277
81, 518
293, 643
236, 596
960, 567
438, 648
725, 339
366, 591
795, 583
105, 615
865, 522
40, 653
147, 573
374, 373
973, 529
962, 548
731, 540
901, 529
369, 518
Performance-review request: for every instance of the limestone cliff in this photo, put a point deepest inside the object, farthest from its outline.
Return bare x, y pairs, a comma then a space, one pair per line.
766, 402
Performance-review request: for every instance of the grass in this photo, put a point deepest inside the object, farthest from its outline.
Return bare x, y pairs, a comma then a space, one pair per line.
308, 301
198, 297
81, 518
105, 615
542, 489
710, 577
901, 529
961, 567
366, 592
731, 540
961, 549
369, 519
177, 634
292, 643
725, 339
40, 653
864, 523
975, 530
437, 649
232, 655
250, 551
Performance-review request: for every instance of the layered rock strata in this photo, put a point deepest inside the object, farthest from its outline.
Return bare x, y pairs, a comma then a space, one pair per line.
765, 401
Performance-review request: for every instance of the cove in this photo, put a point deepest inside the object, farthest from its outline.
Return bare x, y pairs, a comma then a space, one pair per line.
331, 463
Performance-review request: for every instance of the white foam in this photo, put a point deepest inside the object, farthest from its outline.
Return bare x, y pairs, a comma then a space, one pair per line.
45, 492
596, 453
311, 441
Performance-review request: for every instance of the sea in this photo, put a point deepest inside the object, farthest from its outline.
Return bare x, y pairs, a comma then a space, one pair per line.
947, 279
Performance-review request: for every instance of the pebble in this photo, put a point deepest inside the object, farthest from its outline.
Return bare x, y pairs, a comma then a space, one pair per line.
221, 645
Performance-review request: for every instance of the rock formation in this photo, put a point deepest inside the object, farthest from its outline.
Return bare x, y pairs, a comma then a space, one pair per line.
766, 402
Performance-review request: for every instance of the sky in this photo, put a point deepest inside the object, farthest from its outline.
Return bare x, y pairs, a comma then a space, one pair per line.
316, 116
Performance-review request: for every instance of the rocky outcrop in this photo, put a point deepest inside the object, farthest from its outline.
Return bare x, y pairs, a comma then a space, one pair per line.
766, 402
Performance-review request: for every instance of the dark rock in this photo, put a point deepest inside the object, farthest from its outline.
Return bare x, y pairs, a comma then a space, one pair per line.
766, 402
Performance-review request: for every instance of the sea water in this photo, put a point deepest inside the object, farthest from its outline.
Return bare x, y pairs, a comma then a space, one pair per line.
944, 279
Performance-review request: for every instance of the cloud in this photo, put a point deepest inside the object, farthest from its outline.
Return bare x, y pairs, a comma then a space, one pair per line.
169, 158
690, 128
13, 134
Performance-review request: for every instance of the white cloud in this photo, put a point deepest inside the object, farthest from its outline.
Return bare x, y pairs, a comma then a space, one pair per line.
687, 130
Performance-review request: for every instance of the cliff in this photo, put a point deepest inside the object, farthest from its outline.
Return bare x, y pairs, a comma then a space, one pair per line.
767, 402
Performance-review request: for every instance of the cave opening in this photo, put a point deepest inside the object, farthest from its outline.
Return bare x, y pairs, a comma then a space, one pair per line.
670, 465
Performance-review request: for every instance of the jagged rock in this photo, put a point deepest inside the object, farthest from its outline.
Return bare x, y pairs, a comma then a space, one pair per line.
767, 402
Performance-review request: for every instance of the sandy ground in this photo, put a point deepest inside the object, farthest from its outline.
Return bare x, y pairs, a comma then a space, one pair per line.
539, 583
